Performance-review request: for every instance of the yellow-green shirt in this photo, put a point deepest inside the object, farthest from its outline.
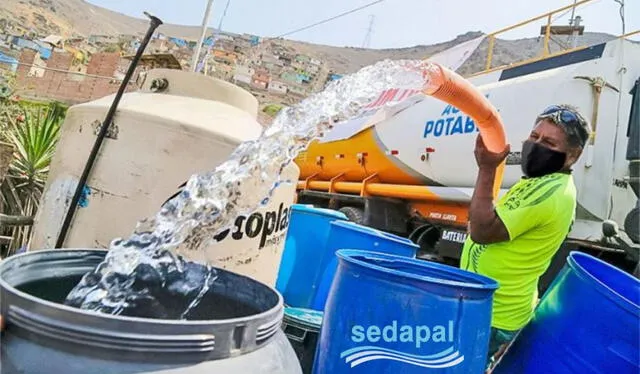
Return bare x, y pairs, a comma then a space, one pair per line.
538, 214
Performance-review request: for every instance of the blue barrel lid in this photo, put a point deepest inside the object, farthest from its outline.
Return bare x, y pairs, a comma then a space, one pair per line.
304, 316
440, 274
371, 231
310, 209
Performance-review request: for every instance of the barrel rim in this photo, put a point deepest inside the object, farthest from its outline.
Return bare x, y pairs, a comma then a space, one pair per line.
381, 234
323, 212
484, 283
600, 285
116, 318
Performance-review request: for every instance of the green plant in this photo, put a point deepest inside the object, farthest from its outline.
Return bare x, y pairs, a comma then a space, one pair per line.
34, 134
112, 48
272, 109
35, 140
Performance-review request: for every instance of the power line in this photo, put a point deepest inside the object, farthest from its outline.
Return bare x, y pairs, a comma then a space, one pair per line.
67, 72
328, 19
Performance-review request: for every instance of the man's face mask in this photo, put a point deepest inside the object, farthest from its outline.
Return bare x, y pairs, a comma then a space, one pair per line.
538, 160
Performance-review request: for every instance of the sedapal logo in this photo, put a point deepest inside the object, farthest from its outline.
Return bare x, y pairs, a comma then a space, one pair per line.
404, 337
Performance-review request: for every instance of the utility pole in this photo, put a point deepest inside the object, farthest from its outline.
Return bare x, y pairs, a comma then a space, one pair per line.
205, 23
367, 39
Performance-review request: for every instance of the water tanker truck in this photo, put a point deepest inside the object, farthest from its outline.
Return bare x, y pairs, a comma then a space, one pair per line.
410, 168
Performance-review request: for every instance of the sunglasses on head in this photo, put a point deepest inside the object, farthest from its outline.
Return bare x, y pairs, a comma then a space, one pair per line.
568, 117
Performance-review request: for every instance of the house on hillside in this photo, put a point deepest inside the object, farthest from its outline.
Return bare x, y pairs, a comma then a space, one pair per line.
8, 63
55, 41
260, 80
273, 69
227, 45
221, 70
302, 59
297, 65
312, 68
20, 42
243, 74
278, 88
291, 77
223, 36
103, 39
286, 58
277, 49
298, 91
44, 49
271, 59
241, 44
253, 40
225, 57
178, 42
158, 45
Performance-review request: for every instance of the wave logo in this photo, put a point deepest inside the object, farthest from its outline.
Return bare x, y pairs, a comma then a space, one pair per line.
417, 336
445, 359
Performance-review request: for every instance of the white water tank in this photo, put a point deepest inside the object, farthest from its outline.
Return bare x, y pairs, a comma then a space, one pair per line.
254, 244
157, 141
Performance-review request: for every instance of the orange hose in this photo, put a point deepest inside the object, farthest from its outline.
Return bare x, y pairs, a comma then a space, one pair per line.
451, 88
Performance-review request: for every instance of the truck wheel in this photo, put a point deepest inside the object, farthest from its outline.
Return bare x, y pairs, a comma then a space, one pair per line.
353, 214
632, 223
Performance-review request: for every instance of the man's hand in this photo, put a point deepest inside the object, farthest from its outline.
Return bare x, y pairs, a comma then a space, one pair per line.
485, 227
487, 159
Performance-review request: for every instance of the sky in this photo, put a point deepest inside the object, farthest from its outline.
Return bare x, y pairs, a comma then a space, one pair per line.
396, 23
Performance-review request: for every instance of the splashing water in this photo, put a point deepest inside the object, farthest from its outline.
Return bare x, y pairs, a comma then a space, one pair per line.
145, 276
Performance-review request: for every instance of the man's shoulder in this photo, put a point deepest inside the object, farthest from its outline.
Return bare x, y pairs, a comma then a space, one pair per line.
541, 191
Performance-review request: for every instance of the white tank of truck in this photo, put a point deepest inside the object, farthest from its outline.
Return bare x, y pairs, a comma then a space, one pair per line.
176, 125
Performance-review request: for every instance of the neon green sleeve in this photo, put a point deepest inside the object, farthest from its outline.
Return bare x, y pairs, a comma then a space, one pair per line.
528, 208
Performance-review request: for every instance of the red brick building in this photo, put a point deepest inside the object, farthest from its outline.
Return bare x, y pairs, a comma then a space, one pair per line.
62, 82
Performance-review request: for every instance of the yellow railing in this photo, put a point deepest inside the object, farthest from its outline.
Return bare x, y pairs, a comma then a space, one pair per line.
546, 51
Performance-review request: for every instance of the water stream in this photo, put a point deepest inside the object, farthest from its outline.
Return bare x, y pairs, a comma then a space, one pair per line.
144, 275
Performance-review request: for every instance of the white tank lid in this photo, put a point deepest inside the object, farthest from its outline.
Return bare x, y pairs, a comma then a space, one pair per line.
224, 120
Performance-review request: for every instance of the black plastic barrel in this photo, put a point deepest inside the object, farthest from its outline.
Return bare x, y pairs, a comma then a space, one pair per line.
242, 335
302, 327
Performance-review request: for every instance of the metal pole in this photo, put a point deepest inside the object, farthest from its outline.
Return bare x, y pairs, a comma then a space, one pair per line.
205, 23
155, 22
573, 13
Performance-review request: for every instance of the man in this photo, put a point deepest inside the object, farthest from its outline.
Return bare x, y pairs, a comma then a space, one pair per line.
514, 241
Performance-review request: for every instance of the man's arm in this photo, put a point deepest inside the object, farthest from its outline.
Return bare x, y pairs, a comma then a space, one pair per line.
485, 225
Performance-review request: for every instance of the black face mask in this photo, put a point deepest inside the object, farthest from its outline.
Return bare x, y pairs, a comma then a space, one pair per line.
538, 160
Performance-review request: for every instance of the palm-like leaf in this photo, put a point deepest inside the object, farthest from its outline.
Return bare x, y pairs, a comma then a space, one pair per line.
34, 140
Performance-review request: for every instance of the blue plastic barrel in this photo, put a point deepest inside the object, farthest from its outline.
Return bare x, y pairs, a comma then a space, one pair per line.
303, 250
392, 314
587, 322
345, 234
